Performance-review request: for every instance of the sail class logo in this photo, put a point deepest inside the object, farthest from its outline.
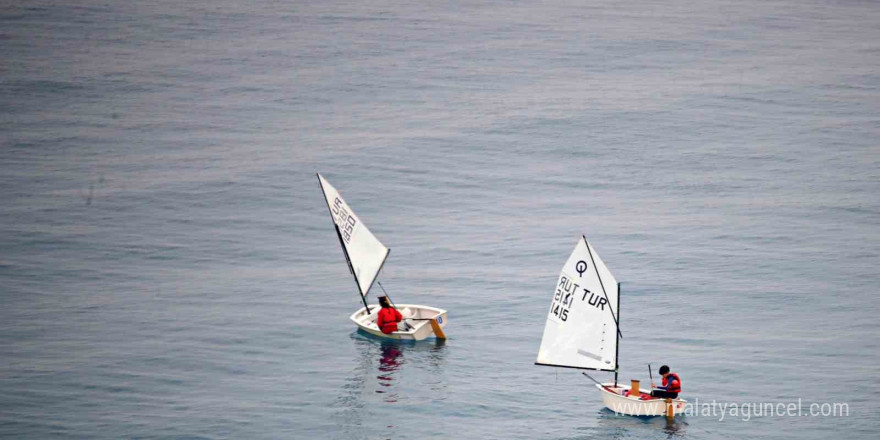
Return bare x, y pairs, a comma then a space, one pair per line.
581, 267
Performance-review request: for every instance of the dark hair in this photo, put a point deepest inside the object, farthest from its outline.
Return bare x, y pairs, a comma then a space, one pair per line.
383, 301
664, 369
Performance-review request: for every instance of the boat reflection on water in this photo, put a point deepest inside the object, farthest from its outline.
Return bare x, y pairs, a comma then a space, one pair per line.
611, 425
392, 355
390, 359
389, 372
675, 427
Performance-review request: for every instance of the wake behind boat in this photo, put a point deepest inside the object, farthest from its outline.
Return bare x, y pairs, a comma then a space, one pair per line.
365, 256
583, 331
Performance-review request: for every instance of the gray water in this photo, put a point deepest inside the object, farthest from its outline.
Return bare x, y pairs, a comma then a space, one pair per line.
168, 268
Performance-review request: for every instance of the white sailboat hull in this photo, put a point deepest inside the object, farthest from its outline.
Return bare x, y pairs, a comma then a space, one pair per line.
418, 330
632, 406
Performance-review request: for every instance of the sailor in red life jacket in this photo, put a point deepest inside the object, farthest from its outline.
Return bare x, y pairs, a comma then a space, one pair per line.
388, 317
671, 384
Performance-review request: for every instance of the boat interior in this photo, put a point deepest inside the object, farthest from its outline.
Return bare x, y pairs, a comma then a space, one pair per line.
625, 391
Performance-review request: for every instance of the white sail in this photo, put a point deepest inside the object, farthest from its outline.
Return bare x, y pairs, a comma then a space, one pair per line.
581, 329
365, 252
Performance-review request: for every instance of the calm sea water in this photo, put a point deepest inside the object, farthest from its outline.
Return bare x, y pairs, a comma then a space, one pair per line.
168, 268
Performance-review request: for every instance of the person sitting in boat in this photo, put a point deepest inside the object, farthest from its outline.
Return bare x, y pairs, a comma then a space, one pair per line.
388, 317
671, 384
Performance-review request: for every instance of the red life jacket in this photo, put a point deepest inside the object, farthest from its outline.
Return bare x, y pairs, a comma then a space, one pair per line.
672, 383
388, 319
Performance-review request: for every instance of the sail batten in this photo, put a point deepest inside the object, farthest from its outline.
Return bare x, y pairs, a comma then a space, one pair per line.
581, 327
365, 253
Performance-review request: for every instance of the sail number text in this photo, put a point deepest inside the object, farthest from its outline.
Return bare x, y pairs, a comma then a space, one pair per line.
563, 299
345, 220
566, 292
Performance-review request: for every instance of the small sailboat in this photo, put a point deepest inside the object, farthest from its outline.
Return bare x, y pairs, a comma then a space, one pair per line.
365, 256
583, 331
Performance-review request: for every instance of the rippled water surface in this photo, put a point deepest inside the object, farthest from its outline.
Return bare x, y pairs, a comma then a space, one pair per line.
168, 268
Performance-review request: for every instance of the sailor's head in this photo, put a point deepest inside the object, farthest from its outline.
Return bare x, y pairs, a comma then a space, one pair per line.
383, 301
664, 370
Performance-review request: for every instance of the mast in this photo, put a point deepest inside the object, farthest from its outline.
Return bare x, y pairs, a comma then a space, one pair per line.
617, 345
